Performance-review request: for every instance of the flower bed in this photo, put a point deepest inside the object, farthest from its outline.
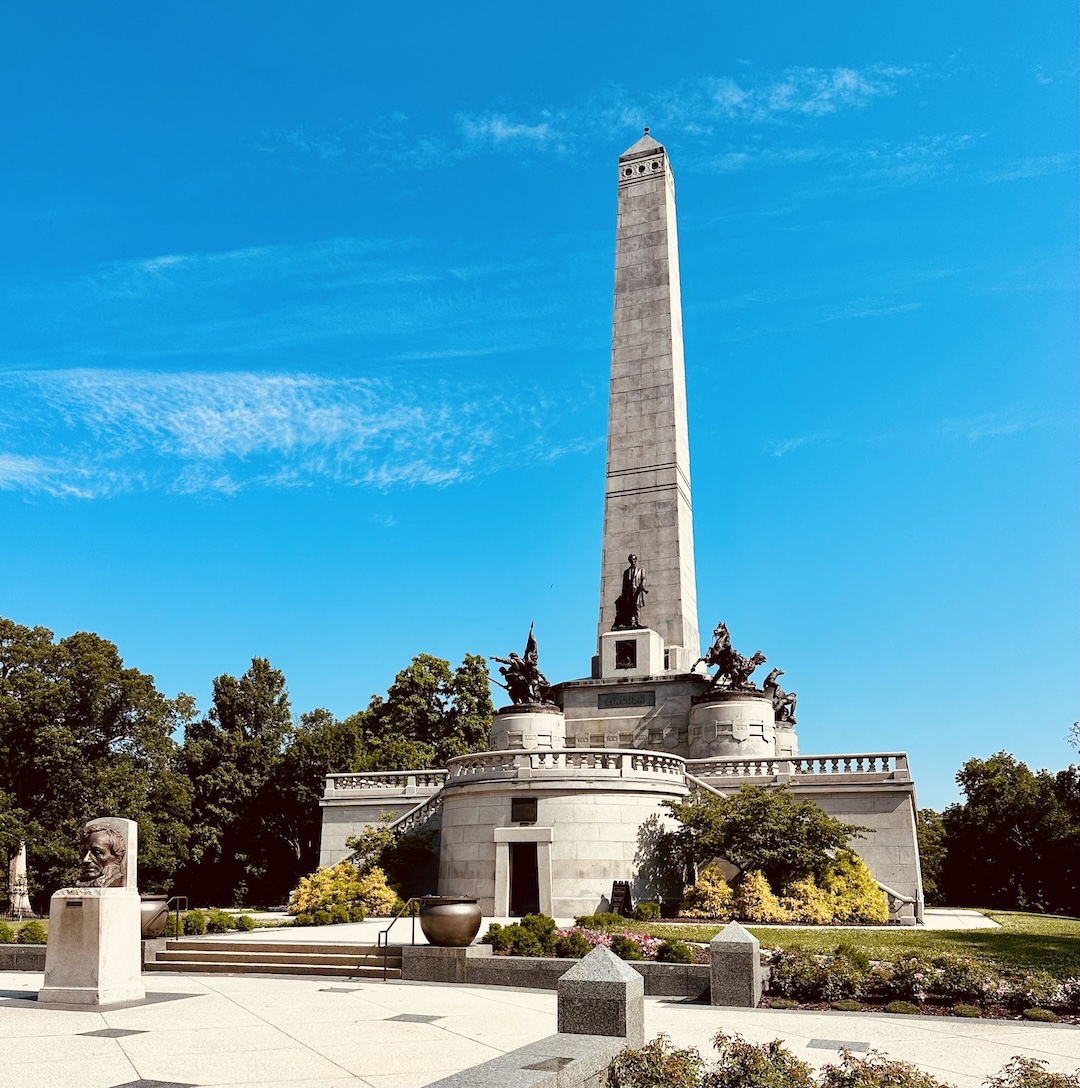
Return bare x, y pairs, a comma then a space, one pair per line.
942, 986
536, 935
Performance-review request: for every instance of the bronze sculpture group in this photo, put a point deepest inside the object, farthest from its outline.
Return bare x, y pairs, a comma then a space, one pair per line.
733, 672
522, 678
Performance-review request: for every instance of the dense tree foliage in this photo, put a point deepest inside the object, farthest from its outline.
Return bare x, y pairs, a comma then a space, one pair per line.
761, 829
231, 814
930, 829
232, 757
81, 736
1014, 842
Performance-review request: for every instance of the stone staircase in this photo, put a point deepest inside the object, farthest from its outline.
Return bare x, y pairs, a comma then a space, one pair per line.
194, 955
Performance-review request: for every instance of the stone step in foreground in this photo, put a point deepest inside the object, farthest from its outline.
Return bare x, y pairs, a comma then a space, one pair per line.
194, 955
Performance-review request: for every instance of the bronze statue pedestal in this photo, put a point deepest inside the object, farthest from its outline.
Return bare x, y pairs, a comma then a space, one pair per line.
732, 723
631, 652
526, 726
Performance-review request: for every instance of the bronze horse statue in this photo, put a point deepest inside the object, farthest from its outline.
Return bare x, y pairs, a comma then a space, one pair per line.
733, 669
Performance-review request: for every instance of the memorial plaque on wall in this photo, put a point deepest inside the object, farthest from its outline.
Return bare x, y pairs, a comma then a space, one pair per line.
612, 699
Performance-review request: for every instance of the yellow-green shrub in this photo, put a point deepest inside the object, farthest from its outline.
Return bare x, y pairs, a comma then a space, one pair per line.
710, 897
343, 887
325, 888
376, 894
855, 896
807, 903
755, 901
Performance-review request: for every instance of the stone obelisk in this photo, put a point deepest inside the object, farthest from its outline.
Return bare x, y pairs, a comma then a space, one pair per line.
647, 508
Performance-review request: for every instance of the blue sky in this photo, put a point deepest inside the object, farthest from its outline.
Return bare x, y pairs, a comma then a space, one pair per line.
304, 332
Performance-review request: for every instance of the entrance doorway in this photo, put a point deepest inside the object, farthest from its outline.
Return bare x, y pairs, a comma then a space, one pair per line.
524, 879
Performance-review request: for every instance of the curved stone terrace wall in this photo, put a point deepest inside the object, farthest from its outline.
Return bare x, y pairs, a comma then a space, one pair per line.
573, 763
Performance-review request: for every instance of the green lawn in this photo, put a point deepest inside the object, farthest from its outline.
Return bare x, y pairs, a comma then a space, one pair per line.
1048, 942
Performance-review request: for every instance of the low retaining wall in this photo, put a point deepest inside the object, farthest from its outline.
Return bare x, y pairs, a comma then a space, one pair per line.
31, 957
22, 957
476, 966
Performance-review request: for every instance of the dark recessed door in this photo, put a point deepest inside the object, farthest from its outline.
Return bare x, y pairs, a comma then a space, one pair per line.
524, 879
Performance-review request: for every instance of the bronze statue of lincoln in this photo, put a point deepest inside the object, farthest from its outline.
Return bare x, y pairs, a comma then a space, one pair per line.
632, 598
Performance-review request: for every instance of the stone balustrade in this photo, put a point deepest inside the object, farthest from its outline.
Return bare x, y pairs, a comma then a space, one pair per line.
397, 781
569, 762
417, 817
892, 766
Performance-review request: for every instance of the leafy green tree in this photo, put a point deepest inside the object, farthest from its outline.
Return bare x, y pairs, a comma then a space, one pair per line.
930, 829
83, 736
429, 715
761, 829
319, 745
1012, 843
232, 757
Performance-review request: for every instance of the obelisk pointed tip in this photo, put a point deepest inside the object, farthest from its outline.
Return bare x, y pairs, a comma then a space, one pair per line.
644, 146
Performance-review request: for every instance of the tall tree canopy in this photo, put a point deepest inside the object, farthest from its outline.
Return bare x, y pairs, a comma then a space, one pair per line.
429, 715
232, 757
1014, 842
83, 736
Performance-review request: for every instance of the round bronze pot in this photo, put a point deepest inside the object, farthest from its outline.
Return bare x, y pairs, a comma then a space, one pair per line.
155, 913
450, 921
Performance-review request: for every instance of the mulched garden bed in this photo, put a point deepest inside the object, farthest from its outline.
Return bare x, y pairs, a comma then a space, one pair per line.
928, 1008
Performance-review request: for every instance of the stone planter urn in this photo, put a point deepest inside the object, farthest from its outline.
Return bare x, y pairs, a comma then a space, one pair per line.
449, 921
155, 913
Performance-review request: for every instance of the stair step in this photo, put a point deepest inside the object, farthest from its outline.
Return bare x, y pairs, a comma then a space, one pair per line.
200, 967
195, 944
200, 956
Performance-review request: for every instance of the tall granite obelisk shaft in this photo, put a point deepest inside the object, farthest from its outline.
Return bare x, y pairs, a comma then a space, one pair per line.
647, 508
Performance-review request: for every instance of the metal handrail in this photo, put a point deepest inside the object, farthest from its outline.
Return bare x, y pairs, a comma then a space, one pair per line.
382, 938
175, 910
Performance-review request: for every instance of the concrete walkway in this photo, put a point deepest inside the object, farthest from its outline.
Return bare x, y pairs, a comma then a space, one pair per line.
232, 1031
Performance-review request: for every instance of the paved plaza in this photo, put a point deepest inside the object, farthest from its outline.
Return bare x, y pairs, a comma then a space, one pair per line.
232, 1030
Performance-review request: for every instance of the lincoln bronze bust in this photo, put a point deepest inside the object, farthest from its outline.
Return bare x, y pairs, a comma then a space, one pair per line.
102, 850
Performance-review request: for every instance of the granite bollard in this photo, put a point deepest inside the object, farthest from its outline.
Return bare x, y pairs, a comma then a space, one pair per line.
602, 995
735, 968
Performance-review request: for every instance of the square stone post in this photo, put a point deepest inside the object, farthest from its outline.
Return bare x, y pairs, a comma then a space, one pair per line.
735, 968
602, 995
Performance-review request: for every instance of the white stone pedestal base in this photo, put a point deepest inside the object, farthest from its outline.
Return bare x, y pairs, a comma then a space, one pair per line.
637, 651
528, 726
94, 954
733, 725
787, 743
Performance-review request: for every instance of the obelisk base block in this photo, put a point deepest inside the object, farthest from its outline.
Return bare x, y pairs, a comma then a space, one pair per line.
732, 724
94, 955
635, 651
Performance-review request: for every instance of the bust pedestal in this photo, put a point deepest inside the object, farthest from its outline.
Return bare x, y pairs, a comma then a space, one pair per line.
94, 955
528, 726
732, 724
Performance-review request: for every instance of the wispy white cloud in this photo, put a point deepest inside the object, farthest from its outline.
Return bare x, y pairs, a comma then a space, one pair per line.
696, 108
94, 433
788, 445
1035, 166
992, 425
348, 300
868, 307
